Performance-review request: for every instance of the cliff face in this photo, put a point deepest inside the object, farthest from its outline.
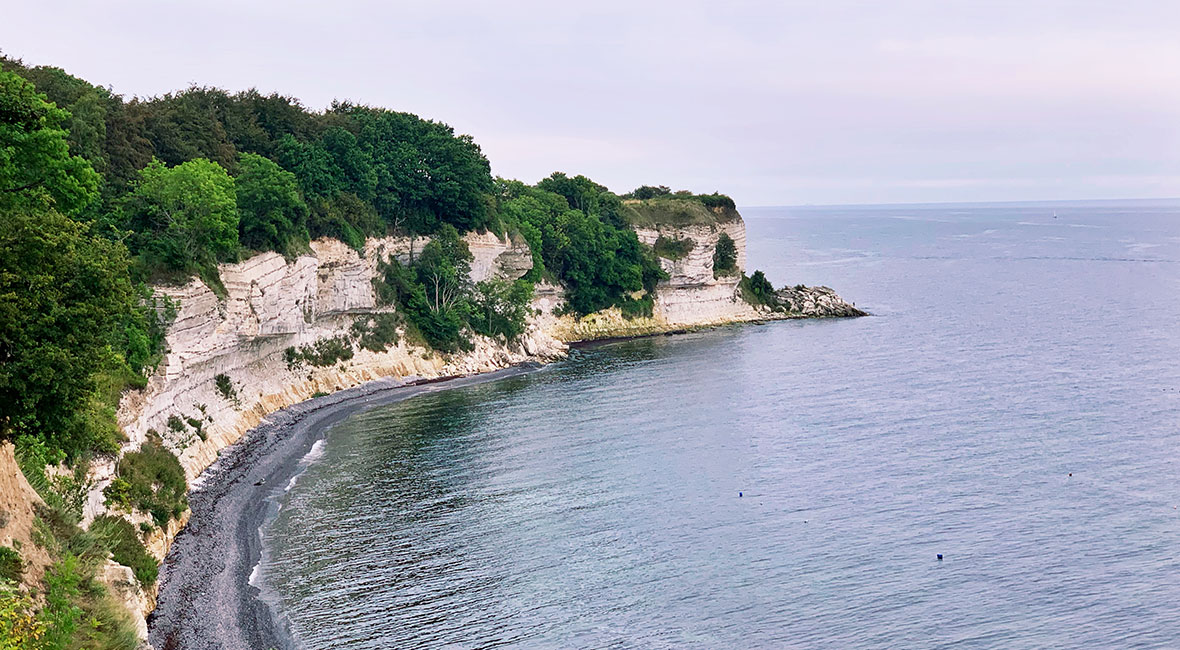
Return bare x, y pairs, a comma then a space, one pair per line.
273, 304
692, 294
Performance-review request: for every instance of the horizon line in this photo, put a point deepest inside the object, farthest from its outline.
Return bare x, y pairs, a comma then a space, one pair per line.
951, 203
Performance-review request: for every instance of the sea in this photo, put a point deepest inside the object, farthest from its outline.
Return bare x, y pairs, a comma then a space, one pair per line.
990, 460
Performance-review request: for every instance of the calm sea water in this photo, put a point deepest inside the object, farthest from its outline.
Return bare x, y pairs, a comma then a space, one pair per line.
790, 484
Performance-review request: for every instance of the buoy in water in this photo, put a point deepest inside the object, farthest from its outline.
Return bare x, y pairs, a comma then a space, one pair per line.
940, 556
739, 495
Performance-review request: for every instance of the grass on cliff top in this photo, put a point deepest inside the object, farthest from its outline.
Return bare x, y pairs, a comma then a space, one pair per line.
674, 211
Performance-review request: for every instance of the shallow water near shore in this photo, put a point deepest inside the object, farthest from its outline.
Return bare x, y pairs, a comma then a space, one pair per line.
1013, 404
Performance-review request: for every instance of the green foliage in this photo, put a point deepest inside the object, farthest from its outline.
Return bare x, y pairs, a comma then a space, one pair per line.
426, 175
150, 480
499, 307
710, 201
183, 218
226, 387
716, 201
637, 307
122, 540
673, 249
273, 214
376, 333
65, 301
598, 259
676, 210
324, 352
645, 192
724, 256
20, 627
11, 565
37, 171
757, 290
63, 587
434, 293
441, 329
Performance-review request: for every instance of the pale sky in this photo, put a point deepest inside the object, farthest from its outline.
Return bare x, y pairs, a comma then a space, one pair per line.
774, 103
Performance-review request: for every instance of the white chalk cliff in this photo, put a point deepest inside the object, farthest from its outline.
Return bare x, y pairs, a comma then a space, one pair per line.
272, 304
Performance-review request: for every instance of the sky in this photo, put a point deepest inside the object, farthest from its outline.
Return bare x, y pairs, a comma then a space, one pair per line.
773, 103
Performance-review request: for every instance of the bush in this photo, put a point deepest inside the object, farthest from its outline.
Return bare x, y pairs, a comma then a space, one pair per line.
757, 290
324, 352
226, 387
376, 333
11, 566
673, 249
20, 627
716, 200
120, 538
150, 480
637, 307
724, 256
645, 192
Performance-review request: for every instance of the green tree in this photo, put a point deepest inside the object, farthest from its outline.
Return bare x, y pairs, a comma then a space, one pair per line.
312, 165
36, 167
62, 294
273, 215
183, 218
426, 175
724, 256
444, 268
501, 307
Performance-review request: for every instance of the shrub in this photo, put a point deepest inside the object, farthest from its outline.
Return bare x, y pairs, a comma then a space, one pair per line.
673, 249
324, 352
20, 628
226, 387
645, 192
757, 290
716, 200
11, 566
120, 538
724, 256
376, 333
637, 307
150, 480
175, 423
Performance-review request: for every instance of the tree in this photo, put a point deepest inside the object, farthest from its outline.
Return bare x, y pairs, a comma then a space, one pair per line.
183, 218
444, 269
62, 294
426, 175
36, 168
724, 255
313, 166
501, 307
273, 215
644, 192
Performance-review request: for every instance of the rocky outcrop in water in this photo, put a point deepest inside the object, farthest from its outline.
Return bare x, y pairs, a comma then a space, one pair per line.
816, 302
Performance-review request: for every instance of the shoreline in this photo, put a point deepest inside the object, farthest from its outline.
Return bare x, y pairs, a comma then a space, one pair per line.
205, 598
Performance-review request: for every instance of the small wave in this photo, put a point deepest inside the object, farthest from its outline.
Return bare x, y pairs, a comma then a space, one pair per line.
317, 450
255, 574
315, 453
